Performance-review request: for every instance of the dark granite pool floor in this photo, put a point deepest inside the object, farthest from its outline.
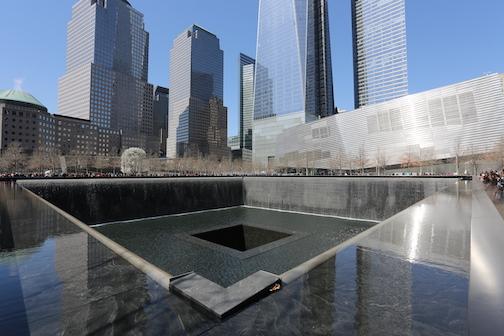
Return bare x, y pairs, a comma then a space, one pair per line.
167, 243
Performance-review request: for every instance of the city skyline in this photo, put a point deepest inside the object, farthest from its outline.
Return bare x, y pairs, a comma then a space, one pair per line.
482, 56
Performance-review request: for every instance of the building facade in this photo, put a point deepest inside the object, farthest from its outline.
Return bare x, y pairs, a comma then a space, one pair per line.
460, 120
106, 72
78, 137
24, 121
196, 75
380, 50
247, 75
217, 131
160, 111
293, 78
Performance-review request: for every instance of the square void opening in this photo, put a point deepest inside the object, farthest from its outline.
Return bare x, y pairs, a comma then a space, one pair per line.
241, 237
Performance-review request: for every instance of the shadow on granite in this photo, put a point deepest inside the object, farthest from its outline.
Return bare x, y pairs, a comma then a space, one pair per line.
56, 279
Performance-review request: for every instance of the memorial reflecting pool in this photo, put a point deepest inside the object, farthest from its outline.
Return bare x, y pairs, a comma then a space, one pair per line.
421, 271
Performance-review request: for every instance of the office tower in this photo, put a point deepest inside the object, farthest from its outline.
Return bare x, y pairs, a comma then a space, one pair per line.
380, 51
294, 72
247, 74
217, 130
106, 72
160, 111
293, 69
196, 75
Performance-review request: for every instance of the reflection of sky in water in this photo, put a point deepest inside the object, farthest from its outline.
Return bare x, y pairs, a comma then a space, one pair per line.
42, 287
26, 277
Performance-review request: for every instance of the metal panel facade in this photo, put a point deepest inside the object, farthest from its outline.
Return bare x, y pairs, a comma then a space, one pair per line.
456, 120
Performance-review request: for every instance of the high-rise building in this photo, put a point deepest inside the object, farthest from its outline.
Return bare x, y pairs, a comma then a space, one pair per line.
106, 72
293, 82
196, 75
217, 130
380, 50
160, 110
247, 74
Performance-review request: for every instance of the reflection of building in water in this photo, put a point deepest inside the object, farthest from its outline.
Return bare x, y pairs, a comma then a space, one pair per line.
71, 264
424, 234
29, 228
122, 297
321, 283
380, 285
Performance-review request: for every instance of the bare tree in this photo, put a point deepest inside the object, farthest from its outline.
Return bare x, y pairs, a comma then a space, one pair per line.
473, 158
14, 157
132, 161
38, 161
381, 161
427, 159
80, 160
409, 159
458, 152
101, 162
361, 158
338, 161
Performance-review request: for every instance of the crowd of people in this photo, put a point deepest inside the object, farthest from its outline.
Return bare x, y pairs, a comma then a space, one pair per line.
493, 178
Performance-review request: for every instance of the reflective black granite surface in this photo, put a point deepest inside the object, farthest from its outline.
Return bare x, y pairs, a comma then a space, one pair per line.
409, 276
56, 279
361, 292
95, 201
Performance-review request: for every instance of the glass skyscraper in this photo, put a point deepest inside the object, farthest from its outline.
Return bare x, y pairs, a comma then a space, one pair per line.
380, 50
160, 112
294, 72
196, 94
247, 74
106, 73
293, 82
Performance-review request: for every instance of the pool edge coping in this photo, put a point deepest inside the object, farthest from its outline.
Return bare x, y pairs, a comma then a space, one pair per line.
154, 272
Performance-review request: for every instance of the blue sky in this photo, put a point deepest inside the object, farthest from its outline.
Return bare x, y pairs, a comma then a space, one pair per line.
448, 41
